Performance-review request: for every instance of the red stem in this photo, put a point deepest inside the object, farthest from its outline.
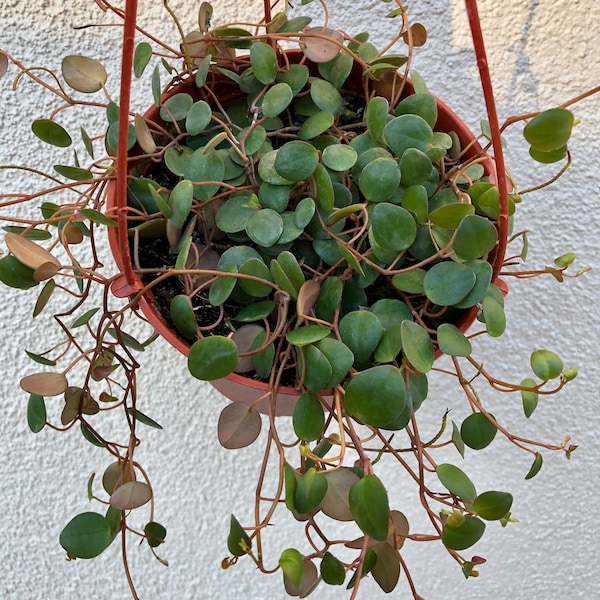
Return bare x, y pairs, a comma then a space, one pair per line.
488, 94
129, 29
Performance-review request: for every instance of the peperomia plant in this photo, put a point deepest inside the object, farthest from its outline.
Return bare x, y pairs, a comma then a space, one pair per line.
315, 227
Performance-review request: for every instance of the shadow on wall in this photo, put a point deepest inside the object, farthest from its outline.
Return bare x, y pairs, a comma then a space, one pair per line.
523, 81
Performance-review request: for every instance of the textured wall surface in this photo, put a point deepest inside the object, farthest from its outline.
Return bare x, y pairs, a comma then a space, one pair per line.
540, 52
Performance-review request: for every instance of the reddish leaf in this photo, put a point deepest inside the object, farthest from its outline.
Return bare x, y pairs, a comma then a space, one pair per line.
239, 425
45, 384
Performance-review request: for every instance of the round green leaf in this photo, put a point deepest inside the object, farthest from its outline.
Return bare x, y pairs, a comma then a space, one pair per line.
408, 131
198, 117
336, 71
411, 281
234, 214
361, 330
452, 341
550, 130
15, 274
264, 62
475, 237
415, 167
183, 316
202, 167
86, 536
391, 311
322, 188
340, 358
477, 431
277, 99
389, 345
494, 315
254, 138
83, 74
379, 179
339, 157
180, 202
274, 196
546, 365
415, 200
417, 346
325, 95
141, 58
486, 199
112, 136
176, 107
304, 212
256, 268
308, 334
267, 171
52, 133
296, 160
212, 357
450, 216
264, 227
155, 534
236, 256
255, 312
308, 418
222, 288
310, 491
289, 280
315, 369
492, 505
329, 298
483, 277
447, 283
370, 508
464, 536
456, 482
315, 125
423, 105
393, 227
376, 117
296, 77
548, 157
376, 396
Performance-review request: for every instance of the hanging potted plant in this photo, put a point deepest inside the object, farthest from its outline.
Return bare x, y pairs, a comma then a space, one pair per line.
313, 229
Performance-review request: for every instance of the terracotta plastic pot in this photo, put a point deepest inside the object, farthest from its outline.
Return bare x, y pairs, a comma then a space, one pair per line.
237, 387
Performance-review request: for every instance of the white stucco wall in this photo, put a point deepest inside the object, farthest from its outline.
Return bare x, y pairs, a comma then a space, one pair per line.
540, 51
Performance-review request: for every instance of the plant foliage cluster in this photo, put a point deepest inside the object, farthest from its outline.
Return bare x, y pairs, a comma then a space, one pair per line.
323, 223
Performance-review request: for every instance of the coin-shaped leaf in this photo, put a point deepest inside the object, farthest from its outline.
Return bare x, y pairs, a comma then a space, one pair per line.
370, 507
463, 536
86, 536
83, 74
212, 357
376, 396
130, 495
239, 425
477, 431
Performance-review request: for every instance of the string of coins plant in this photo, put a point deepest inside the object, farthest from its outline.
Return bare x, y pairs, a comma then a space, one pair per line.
305, 219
